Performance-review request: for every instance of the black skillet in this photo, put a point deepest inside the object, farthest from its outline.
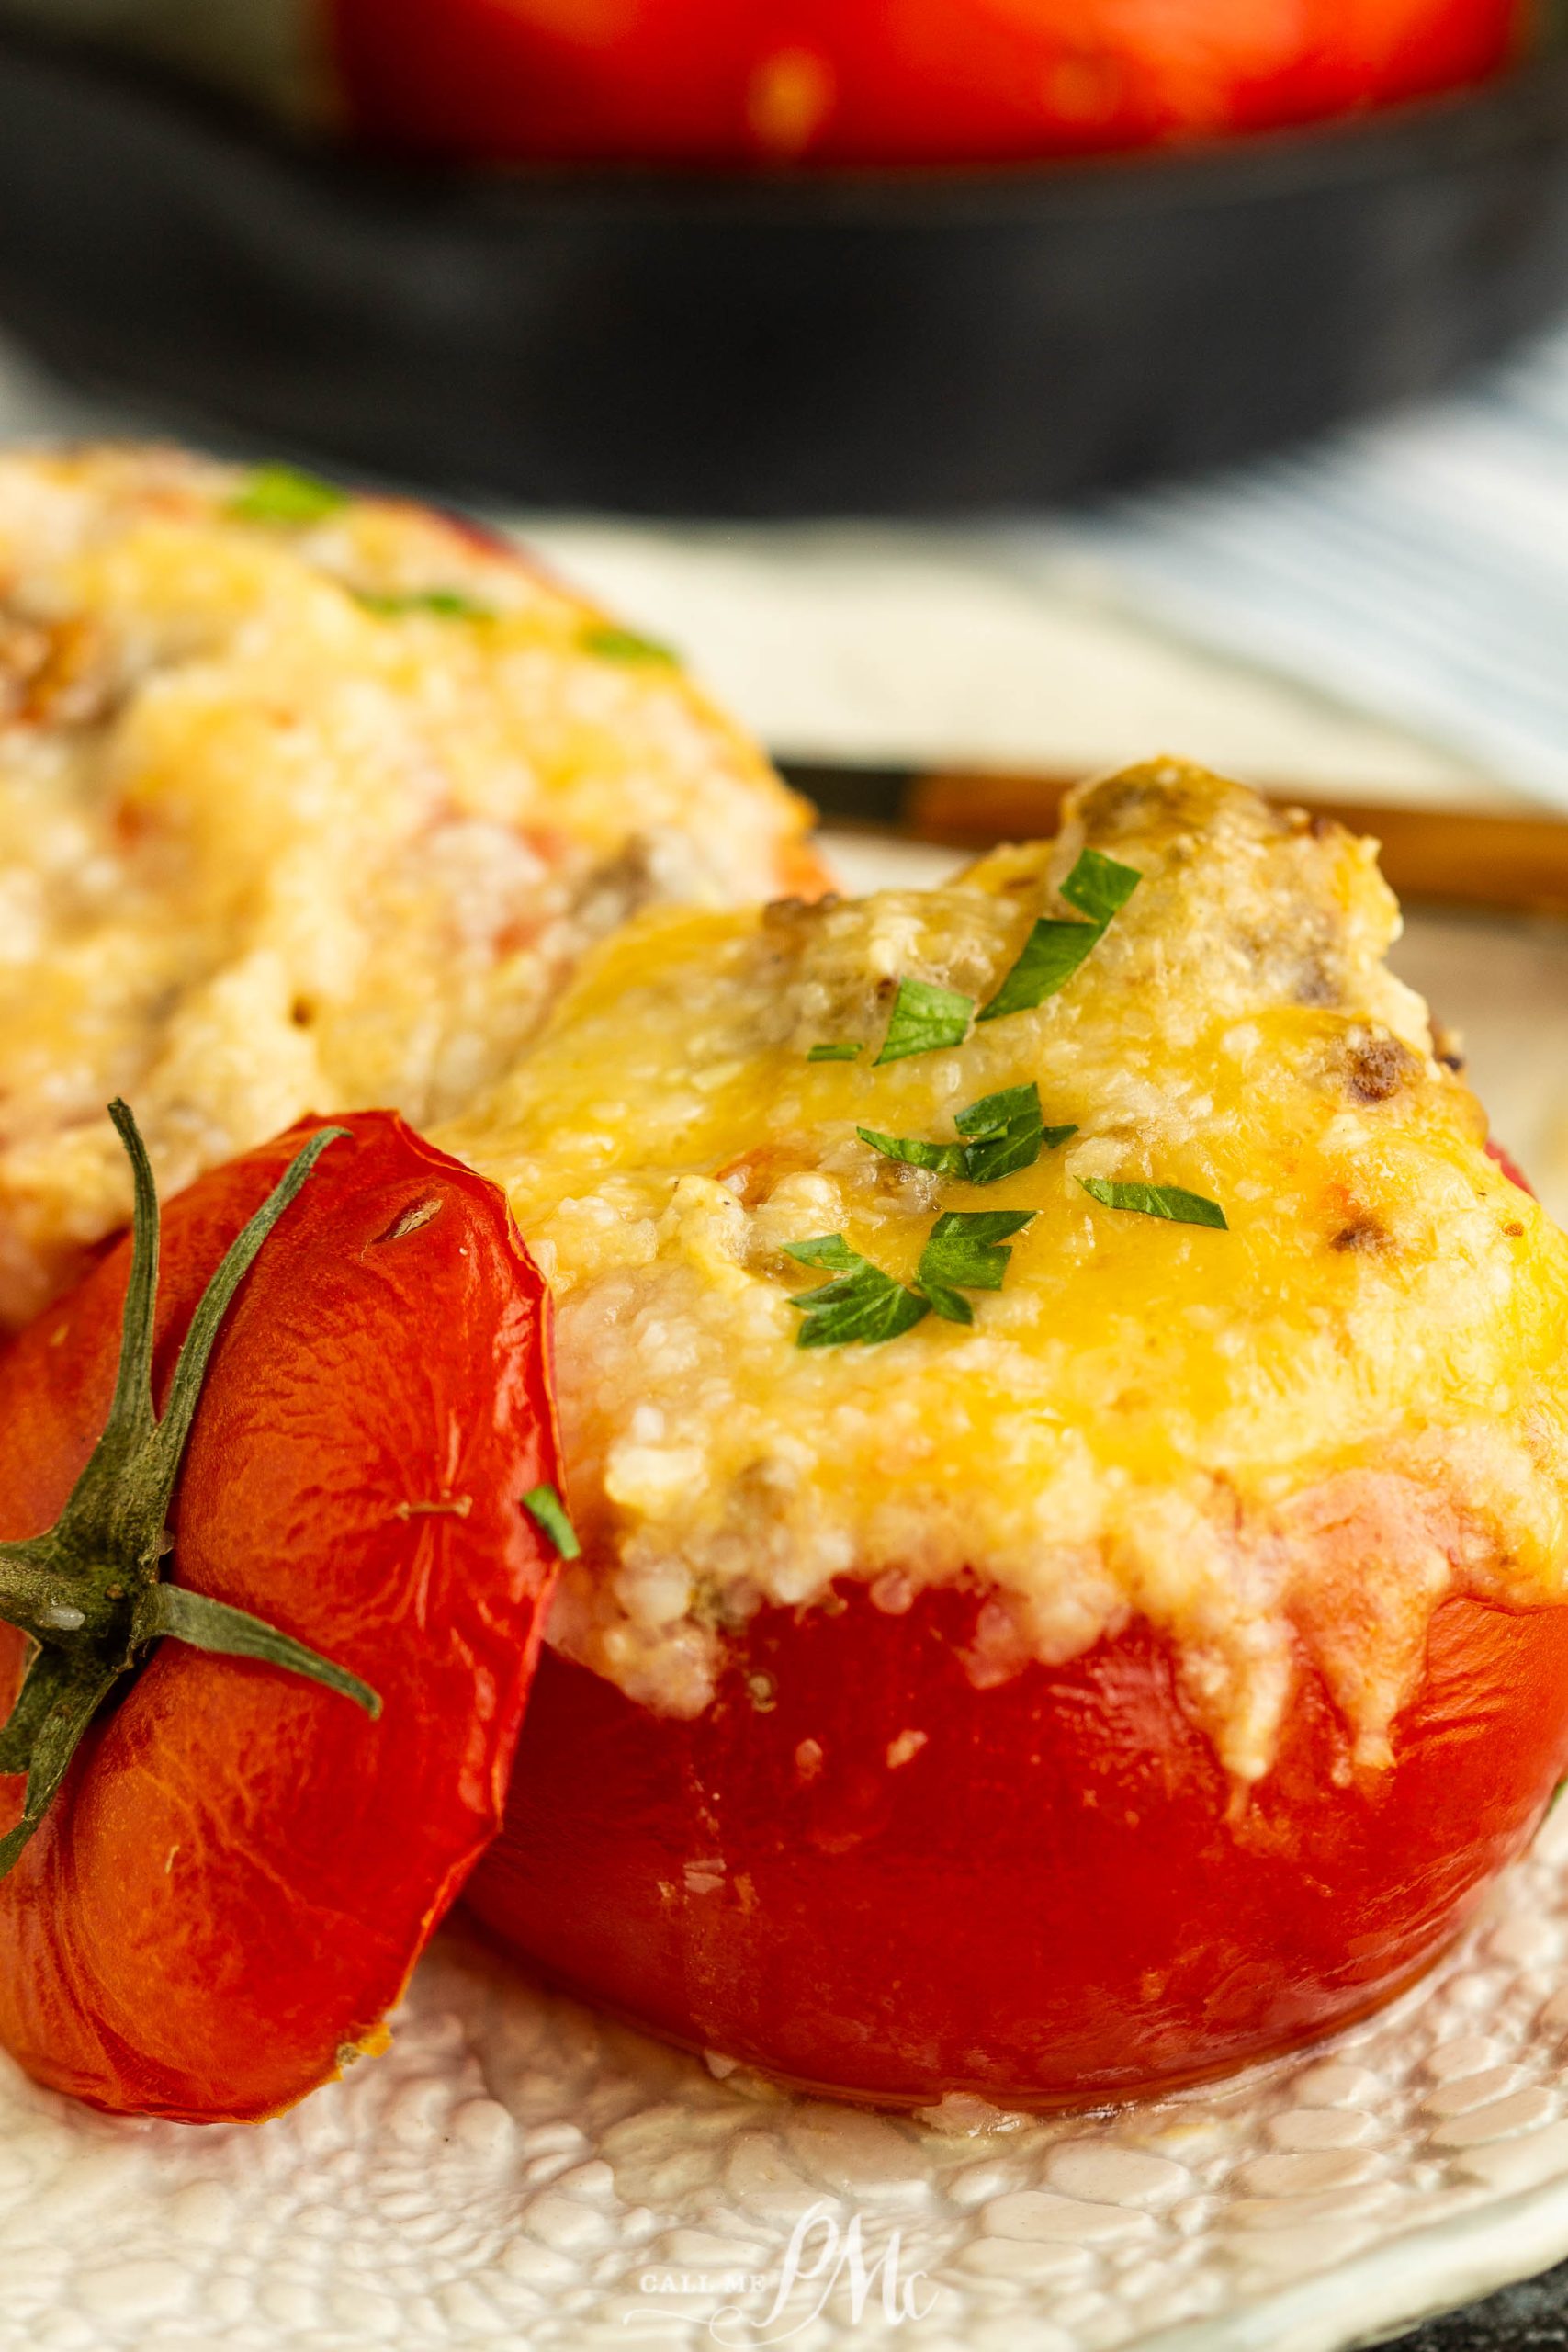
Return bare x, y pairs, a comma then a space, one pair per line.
921, 343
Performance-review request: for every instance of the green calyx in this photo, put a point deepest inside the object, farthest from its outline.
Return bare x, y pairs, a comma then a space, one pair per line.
91, 1593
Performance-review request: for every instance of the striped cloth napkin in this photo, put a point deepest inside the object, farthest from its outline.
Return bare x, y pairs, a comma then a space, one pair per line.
1416, 566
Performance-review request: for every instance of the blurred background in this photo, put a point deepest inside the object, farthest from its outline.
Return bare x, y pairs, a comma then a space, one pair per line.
977, 391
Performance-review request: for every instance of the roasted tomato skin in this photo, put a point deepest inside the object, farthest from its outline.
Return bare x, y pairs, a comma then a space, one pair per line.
859, 1873
869, 81
240, 1869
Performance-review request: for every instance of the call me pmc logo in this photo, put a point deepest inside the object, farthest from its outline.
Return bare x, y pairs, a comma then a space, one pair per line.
823, 2262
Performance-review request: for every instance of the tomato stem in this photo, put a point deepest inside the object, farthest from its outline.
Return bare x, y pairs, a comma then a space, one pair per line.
90, 1592
206, 1625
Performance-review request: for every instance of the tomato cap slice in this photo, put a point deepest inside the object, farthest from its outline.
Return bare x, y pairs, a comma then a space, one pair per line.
240, 1869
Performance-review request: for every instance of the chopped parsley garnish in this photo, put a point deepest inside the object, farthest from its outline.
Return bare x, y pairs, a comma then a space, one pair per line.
284, 494
446, 604
946, 1158
1003, 1134
1006, 1132
993, 1113
833, 1053
545, 1508
829, 1250
1098, 887
962, 1254
612, 643
924, 1018
1157, 1199
864, 1304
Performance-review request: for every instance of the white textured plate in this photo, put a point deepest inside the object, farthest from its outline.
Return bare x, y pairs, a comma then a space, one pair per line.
519, 2172
516, 2173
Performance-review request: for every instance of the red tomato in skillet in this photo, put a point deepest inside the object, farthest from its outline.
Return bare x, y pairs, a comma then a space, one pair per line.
888, 1884
738, 81
240, 1871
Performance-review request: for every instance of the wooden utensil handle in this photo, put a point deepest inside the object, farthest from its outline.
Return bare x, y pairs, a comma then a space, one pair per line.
1457, 857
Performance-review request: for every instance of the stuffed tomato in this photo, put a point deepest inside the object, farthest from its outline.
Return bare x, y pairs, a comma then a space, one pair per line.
1067, 1429
306, 798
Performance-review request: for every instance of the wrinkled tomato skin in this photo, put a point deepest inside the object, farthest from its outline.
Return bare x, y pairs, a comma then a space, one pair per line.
880, 82
1056, 1898
240, 1869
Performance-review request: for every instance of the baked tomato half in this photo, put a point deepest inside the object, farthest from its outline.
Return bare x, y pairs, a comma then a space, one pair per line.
221, 1871
1115, 1626
729, 82
857, 1872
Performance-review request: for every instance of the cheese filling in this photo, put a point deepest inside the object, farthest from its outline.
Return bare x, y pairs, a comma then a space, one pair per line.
306, 803
1290, 1437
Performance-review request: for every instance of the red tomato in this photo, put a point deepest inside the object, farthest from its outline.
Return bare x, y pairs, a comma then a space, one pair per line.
241, 1869
861, 1873
731, 82
1509, 1166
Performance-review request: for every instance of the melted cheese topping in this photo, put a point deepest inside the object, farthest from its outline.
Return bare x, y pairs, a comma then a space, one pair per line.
269, 844
1306, 1430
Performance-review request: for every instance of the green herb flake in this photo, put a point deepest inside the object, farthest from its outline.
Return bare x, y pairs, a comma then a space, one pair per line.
962, 1253
612, 643
1157, 1199
830, 1249
946, 1158
994, 1113
1006, 1132
924, 1019
833, 1053
1002, 1133
864, 1303
1099, 886
950, 1304
545, 1508
869, 1306
446, 603
1050, 957
284, 494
